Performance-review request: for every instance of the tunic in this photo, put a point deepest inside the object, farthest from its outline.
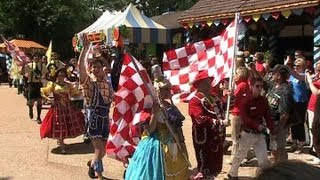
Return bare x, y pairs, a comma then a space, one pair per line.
97, 96
208, 134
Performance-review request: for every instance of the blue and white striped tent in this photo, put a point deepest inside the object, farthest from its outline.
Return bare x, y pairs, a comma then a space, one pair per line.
141, 28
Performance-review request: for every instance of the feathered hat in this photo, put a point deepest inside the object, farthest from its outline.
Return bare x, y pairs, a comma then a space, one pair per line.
160, 82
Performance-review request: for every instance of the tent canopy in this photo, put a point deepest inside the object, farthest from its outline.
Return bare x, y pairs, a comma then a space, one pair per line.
141, 28
100, 23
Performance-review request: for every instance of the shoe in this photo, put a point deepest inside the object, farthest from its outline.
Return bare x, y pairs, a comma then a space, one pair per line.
229, 161
63, 151
309, 159
316, 161
232, 178
293, 147
86, 140
195, 177
91, 172
298, 151
39, 121
30, 114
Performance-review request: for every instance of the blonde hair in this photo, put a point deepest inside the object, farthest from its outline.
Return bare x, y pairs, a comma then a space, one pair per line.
243, 73
302, 62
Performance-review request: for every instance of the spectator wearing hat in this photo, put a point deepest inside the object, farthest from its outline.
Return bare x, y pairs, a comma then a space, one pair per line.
208, 130
280, 99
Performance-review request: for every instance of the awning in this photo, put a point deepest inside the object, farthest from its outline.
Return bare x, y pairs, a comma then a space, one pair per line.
100, 23
208, 10
24, 44
141, 28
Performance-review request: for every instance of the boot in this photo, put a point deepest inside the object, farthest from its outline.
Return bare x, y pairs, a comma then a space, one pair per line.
30, 112
39, 107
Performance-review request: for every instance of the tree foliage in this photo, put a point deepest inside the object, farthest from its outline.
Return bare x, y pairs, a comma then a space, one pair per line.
59, 20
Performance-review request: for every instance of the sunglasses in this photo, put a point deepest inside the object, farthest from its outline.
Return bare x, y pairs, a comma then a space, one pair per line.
296, 65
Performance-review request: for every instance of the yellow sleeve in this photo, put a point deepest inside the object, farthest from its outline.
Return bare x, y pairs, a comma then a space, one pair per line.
48, 89
73, 91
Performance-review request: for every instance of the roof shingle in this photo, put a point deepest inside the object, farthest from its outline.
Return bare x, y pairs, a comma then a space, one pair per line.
219, 9
24, 44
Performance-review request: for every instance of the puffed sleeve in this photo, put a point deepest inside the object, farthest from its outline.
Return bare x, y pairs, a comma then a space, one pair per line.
198, 115
48, 89
73, 91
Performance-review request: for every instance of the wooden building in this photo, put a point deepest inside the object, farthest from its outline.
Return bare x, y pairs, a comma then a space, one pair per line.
280, 27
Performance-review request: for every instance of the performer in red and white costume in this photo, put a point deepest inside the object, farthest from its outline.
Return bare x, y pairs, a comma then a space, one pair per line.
208, 130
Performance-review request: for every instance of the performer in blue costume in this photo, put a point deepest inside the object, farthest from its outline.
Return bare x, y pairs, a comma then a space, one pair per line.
98, 97
157, 155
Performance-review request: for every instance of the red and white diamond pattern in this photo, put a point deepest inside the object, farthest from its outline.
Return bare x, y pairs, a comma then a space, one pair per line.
210, 58
133, 105
16, 53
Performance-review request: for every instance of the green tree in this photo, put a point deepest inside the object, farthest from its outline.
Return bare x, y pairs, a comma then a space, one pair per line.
45, 20
59, 20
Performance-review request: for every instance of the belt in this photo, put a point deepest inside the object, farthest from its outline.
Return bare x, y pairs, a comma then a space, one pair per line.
97, 107
251, 131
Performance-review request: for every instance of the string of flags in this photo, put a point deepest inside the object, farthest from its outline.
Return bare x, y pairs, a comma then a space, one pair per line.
255, 17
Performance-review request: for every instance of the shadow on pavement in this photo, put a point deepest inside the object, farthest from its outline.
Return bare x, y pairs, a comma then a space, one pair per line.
5, 178
77, 148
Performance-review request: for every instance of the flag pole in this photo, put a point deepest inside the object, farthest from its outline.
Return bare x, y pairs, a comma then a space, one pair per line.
163, 112
233, 69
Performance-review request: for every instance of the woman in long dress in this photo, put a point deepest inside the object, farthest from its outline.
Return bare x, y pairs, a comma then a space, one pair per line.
62, 120
158, 155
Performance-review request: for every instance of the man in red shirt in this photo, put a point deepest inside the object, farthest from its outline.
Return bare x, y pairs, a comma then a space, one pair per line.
257, 121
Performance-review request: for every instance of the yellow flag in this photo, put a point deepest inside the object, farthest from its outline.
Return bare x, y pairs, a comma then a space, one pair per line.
48, 53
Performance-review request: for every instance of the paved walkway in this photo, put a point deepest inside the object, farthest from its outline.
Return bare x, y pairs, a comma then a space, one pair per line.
23, 155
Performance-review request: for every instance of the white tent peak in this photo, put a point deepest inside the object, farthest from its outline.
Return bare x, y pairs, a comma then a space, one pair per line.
98, 25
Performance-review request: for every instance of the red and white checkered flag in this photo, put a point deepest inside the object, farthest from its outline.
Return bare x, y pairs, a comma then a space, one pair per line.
133, 105
210, 58
16, 53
